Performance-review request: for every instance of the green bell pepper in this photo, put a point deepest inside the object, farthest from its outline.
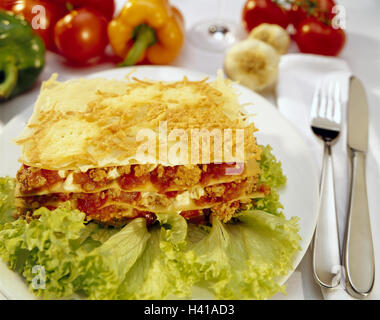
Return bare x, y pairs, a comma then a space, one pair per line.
22, 55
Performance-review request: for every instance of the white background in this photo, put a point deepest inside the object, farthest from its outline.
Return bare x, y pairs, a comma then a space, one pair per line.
362, 52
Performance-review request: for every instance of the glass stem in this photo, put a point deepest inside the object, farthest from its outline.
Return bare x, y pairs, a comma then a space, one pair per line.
218, 28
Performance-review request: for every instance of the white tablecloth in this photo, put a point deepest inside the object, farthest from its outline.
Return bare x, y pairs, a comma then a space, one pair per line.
362, 53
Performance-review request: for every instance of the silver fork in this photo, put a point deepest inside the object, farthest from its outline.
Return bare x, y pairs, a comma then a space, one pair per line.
326, 124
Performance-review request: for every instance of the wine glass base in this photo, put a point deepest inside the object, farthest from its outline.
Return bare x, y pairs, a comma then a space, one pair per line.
215, 35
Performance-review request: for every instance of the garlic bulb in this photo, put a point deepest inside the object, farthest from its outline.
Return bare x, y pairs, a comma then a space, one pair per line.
272, 34
253, 63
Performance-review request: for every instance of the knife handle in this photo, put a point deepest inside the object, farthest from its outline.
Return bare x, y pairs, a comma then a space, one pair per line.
359, 259
326, 254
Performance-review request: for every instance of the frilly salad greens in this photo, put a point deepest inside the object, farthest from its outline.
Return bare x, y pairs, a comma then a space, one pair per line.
242, 259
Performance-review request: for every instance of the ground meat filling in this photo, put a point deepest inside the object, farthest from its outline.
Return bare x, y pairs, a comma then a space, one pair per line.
183, 176
142, 170
33, 179
226, 192
92, 179
93, 205
225, 211
97, 174
96, 208
156, 200
102, 206
187, 176
163, 177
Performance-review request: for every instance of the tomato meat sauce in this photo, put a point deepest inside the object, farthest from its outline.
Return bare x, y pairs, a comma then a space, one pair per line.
87, 183
129, 197
264, 189
196, 216
129, 181
216, 171
33, 179
149, 217
232, 191
164, 180
172, 194
108, 213
90, 203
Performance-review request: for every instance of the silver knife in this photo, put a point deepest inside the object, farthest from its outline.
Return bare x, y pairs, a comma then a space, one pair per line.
358, 256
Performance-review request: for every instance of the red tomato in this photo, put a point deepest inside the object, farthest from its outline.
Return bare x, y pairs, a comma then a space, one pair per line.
302, 9
105, 7
325, 8
81, 35
256, 12
316, 37
42, 16
6, 4
296, 14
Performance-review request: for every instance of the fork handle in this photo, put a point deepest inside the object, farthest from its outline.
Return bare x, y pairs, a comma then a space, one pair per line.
326, 253
358, 252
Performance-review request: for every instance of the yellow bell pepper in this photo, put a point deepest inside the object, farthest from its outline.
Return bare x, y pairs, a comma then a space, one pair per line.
147, 29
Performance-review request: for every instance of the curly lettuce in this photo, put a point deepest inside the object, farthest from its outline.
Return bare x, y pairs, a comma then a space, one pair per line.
7, 209
272, 176
131, 263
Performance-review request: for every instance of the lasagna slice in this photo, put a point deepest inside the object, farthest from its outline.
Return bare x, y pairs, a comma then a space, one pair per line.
83, 145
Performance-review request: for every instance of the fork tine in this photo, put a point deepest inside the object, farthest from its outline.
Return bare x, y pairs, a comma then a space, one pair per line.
338, 103
324, 99
316, 100
326, 105
330, 99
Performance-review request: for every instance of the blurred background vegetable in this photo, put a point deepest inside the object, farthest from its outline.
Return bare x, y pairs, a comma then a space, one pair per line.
76, 29
314, 30
314, 36
147, 30
105, 7
152, 32
51, 15
6, 4
21, 55
312, 22
81, 35
253, 63
272, 34
256, 12
301, 9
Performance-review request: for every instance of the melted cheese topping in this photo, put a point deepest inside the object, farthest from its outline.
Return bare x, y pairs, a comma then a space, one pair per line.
92, 123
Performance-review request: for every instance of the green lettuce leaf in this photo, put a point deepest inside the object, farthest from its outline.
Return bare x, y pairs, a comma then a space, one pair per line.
271, 169
47, 243
244, 259
7, 208
104, 269
272, 176
93, 261
157, 274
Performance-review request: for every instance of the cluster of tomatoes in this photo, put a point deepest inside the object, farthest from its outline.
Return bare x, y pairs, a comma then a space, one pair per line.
313, 22
77, 29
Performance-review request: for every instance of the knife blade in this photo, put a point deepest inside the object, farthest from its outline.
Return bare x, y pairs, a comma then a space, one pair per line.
357, 133
358, 256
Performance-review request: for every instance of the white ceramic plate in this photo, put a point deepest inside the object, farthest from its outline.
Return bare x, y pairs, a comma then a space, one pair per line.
299, 197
